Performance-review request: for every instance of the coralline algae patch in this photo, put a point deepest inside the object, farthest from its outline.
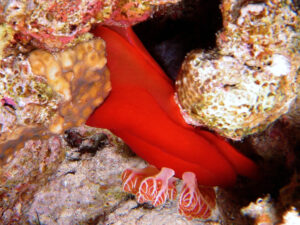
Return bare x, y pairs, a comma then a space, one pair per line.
55, 25
250, 80
50, 91
6, 36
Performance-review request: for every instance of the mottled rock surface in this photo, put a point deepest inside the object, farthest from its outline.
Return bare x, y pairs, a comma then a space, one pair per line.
54, 25
41, 184
251, 78
130, 213
76, 179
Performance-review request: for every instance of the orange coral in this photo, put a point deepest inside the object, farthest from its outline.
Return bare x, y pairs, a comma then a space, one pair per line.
62, 90
74, 74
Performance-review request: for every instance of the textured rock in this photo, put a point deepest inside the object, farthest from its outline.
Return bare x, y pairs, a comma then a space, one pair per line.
41, 185
55, 24
250, 80
38, 184
130, 213
6, 37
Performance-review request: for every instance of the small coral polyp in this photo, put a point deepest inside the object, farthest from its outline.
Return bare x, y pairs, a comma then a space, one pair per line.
250, 80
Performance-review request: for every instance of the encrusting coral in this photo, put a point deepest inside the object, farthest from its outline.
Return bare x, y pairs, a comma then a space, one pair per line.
50, 92
57, 24
250, 80
6, 37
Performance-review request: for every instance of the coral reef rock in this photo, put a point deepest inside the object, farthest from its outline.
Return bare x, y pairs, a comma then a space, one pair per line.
262, 210
56, 24
6, 37
50, 92
75, 178
251, 78
41, 185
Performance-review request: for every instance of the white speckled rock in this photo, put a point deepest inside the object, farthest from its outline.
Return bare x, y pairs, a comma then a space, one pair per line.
250, 80
129, 213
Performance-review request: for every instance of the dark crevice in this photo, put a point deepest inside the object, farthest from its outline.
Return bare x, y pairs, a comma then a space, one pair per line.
175, 31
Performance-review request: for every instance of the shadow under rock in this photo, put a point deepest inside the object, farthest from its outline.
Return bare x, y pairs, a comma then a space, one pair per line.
178, 29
